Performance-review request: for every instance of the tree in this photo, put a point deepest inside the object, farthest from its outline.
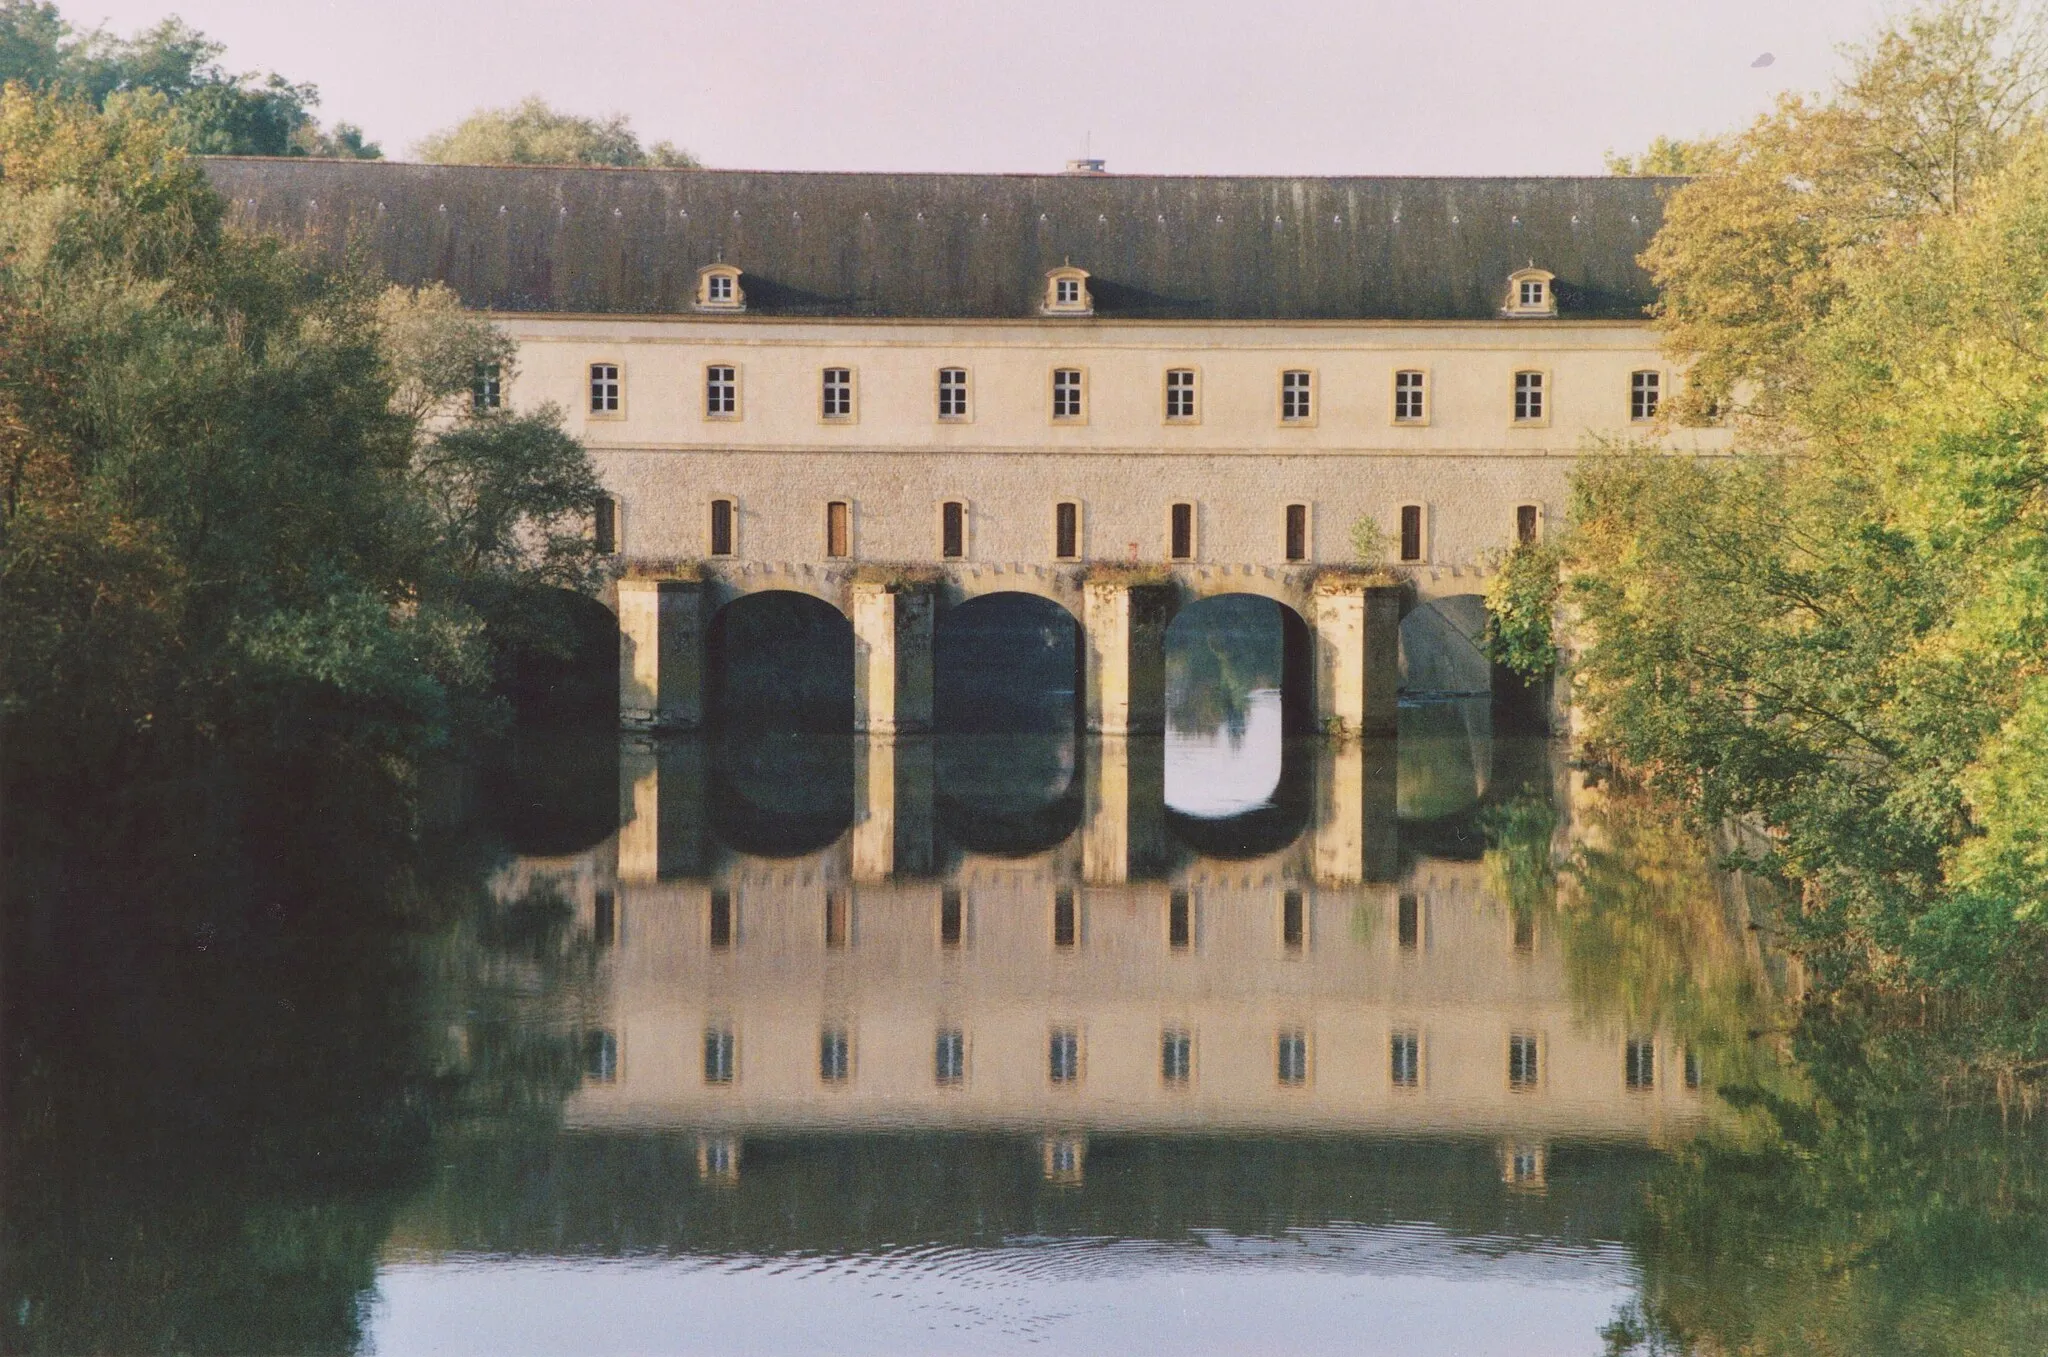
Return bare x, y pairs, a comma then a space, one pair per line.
1668, 156
216, 112
532, 133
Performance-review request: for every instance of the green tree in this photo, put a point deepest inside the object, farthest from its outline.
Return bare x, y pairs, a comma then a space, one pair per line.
1667, 156
532, 133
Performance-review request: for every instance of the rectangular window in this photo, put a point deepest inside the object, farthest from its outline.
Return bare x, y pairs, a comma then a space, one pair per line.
838, 919
1293, 1056
721, 918
719, 1051
604, 923
1293, 921
1297, 396
1066, 531
1645, 389
1692, 1068
487, 388
1063, 1055
951, 918
952, 530
838, 393
949, 1056
1639, 1064
838, 529
1176, 1056
1066, 923
1408, 923
721, 390
1532, 292
1526, 516
1067, 291
718, 288
1411, 532
1180, 393
1180, 921
835, 1055
604, 525
1522, 1071
1297, 532
604, 388
1528, 397
1404, 1059
1181, 532
601, 1057
1408, 397
722, 516
952, 393
1525, 931
1066, 393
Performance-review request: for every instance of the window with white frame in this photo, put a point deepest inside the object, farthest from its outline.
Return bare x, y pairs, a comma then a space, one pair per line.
1068, 395
952, 393
1645, 393
1534, 293
837, 394
1404, 1059
1180, 393
487, 388
718, 288
949, 1057
1176, 1056
604, 388
1297, 396
1292, 1044
1067, 291
1528, 397
1410, 396
721, 390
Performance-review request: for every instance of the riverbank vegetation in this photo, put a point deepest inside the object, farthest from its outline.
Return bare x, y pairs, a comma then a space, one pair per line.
1840, 634
242, 497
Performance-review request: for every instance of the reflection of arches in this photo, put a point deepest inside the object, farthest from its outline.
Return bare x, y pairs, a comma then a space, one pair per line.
557, 654
558, 791
1008, 795
1264, 830
1006, 661
780, 795
1222, 647
779, 659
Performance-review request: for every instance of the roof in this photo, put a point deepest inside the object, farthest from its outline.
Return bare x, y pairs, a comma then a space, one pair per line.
927, 246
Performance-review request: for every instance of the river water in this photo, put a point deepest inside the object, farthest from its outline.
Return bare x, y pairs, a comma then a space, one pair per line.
1221, 1043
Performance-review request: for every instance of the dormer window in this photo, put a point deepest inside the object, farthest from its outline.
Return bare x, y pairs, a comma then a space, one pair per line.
1531, 293
1066, 292
718, 289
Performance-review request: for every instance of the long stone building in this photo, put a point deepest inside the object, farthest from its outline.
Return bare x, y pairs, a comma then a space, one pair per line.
898, 393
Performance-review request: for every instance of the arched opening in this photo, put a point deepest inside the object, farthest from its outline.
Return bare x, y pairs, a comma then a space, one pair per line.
780, 661
1239, 684
776, 794
1005, 663
554, 789
1008, 795
557, 655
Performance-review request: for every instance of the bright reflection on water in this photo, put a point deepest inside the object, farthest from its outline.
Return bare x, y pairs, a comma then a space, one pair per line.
1221, 772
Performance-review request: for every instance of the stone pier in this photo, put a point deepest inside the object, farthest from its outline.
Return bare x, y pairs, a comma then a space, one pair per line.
1123, 825
1357, 828
894, 815
1123, 640
663, 795
1358, 647
892, 657
661, 654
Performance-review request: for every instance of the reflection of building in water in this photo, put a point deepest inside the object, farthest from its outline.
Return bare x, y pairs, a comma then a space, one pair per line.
1111, 981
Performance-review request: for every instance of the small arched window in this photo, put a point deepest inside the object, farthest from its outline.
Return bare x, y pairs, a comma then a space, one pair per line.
1066, 292
718, 289
1531, 292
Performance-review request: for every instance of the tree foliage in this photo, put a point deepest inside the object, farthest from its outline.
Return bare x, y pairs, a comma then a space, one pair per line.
532, 133
215, 112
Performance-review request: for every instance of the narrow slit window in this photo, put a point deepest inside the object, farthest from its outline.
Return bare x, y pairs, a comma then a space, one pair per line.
835, 1055
1181, 532
838, 393
1066, 393
721, 390
1180, 922
838, 919
1066, 531
1645, 393
604, 525
1409, 396
1692, 1068
952, 393
838, 529
1404, 1059
1066, 923
1063, 1055
1176, 1056
604, 922
1528, 397
1297, 532
952, 530
1411, 532
487, 389
722, 516
949, 1057
1639, 1064
1522, 1066
1297, 396
1525, 932
720, 1050
721, 919
951, 918
1180, 393
1293, 1057
1293, 921
604, 388
1408, 923
1525, 525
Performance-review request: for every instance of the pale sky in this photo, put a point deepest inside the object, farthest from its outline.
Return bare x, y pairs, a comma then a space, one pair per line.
1197, 86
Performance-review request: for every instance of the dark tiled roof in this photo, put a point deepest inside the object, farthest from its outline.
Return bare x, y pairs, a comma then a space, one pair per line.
525, 238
